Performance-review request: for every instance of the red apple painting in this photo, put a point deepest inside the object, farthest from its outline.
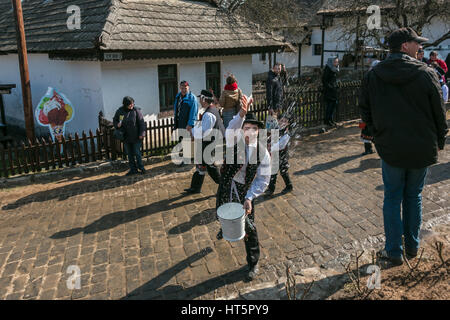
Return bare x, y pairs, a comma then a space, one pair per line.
54, 110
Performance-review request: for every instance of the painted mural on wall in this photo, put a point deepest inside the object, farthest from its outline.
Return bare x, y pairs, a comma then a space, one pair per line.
54, 110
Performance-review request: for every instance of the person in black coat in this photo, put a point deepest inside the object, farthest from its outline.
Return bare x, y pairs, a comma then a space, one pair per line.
401, 103
130, 120
274, 88
330, 93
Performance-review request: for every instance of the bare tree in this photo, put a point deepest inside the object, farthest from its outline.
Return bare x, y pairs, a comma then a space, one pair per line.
395, 14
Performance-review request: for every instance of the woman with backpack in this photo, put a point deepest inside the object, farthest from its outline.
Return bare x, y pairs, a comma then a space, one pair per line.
230, 100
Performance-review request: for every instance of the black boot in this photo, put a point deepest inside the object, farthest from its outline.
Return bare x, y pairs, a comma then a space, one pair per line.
196, 183
368, 149
272, 184
214, 173
287, 182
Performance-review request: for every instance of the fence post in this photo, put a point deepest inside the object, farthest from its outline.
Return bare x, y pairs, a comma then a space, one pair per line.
30, 154
25, 158
51, 144
44, 149
77, 143
16, 151
85, 146
3, 159
10, 158
92, 142
99, 145
113, 143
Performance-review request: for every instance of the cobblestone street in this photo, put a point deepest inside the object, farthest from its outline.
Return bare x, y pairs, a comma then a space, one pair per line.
140, 238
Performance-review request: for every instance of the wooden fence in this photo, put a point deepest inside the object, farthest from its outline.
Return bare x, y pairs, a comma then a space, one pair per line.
46, 154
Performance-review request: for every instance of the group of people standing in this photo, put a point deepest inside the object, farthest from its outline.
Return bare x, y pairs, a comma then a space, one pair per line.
403, 114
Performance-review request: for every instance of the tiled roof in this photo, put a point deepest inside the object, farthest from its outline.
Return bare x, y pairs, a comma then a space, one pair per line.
46, 25
129, 25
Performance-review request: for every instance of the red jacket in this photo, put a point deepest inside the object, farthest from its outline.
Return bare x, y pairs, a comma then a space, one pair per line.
441, 63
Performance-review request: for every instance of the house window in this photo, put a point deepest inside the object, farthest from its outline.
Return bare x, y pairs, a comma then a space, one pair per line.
168, 86
213, 77
317, 50
262, 57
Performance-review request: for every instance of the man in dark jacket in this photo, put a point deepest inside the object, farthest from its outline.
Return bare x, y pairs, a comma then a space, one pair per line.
330, 94
274, 88
129, 119
185, 109
401, 102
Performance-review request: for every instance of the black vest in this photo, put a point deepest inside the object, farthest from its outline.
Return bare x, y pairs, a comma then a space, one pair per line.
229, 170
218, 126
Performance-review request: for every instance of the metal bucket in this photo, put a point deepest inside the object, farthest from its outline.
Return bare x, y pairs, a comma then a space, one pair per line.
232, 219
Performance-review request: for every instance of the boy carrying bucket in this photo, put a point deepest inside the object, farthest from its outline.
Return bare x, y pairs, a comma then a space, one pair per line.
245, 176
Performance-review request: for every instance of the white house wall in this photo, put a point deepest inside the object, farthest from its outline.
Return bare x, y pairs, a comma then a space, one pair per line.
80, 81
139, 79
334, 41
290, 59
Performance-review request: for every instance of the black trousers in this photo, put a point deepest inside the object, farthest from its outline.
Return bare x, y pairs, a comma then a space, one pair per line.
251, 238
284, 170
331, 106
197, 178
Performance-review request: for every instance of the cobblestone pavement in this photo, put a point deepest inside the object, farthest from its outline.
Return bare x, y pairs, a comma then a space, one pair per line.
139, 238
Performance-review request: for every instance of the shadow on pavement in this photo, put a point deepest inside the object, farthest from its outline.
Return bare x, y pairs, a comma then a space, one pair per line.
326, 165
114, 219
154, 288
203, 218
74, 189
87, 186
437, 173
366, 164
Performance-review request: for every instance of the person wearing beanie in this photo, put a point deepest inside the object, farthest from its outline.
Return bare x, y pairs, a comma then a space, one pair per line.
330, 92
130, 121
230, 100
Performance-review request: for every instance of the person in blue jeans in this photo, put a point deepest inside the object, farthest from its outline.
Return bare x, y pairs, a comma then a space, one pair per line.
130, 120
401, 103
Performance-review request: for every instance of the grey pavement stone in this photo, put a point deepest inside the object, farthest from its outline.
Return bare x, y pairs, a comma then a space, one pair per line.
140, 237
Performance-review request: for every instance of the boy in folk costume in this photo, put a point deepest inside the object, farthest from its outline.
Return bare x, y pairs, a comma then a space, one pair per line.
366, 138
209, 120
245, 176
282, 146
